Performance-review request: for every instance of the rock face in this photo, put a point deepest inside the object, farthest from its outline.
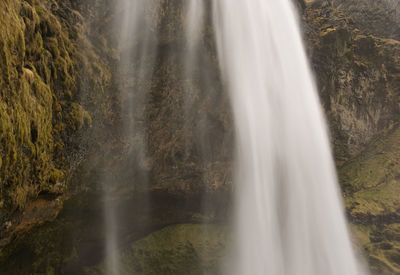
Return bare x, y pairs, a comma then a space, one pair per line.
47, 64
357, 72
62, 125
378, 18
355, 50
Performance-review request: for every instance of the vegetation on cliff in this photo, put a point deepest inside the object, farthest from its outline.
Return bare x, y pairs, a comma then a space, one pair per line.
55, 69
355, 55
371, 187
46, 63
178, 249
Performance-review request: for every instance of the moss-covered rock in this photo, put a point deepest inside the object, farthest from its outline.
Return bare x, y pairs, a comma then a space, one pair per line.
42, 112
371, 183
174, 250
355, 56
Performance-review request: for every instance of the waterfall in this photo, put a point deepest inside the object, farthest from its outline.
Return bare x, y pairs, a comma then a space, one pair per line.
289, 217
288, 214
110, 225
136, 44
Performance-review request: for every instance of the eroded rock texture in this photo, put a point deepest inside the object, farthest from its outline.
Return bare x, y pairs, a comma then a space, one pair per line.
357, 73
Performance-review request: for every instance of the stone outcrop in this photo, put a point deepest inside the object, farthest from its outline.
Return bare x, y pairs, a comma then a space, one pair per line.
357, 73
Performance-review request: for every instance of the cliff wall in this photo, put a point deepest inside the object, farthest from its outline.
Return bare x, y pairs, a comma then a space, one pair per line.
61, 121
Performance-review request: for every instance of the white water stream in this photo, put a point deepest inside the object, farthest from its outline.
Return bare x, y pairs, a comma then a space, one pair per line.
289, 218
137, 48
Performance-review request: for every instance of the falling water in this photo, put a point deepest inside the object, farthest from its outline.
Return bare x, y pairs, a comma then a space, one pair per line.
110, 224
289, 215
136, 44
288, 211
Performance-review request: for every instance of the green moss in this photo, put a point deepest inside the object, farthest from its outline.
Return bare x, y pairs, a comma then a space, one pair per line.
372, 188
380, 249
377, 200
371, 179
178, 249
79, 117
39, 9
360, 234
25, 255
39, 107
